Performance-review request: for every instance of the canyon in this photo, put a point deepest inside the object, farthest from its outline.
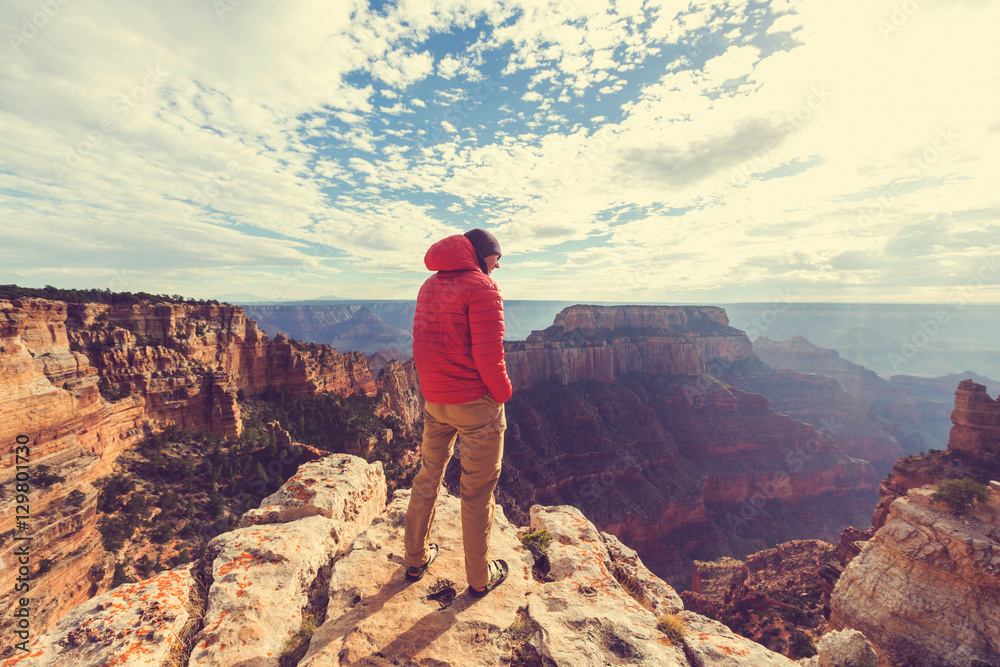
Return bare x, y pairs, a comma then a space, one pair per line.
84, 383
614, 412
314, 576
619, 411
916, 411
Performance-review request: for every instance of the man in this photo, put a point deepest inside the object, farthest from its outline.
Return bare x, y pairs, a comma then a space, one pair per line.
458, 351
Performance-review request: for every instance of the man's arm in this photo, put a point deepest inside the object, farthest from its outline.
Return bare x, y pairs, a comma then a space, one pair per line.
487, 329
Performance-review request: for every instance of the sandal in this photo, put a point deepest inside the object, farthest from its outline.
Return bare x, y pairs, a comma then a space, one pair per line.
417, 573
500, 574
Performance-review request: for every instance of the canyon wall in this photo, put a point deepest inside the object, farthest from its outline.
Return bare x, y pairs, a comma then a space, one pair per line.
922, 583
976, 420
625, 424
917, 409
602, 343
925, 589
85, 382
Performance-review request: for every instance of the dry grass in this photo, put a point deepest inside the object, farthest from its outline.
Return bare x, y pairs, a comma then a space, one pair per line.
672, 627
631, 586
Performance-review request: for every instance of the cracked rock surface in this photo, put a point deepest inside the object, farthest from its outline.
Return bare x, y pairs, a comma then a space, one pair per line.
925, 590
596, 604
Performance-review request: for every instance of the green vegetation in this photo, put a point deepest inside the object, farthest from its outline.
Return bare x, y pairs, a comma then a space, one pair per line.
13, 291
800, 645
672, 627
177, 490
631, 586
960, 494
112, 392
42, 476
295, 646
537, 543
520, 632
120, 577
333, 423
76, 497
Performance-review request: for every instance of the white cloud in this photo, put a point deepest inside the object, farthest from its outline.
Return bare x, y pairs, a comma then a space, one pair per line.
790, 171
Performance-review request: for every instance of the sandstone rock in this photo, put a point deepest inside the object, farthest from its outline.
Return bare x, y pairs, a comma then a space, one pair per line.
845, 648
376, 617
602, 343
820, 401
976, 420
925, 590
264, 577
676, 474
132, 625
341, 487
642, 317
711, 644
782, 589
261, 577
177, 364
587, 617
263, 573
656, 593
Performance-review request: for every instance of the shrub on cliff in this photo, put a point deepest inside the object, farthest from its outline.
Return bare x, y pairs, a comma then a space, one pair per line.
537, 543
960, 494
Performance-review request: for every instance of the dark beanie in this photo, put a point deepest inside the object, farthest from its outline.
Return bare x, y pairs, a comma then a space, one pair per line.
484, 243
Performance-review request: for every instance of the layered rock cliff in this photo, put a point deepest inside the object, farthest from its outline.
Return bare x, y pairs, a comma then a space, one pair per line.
821, 402
316, 577
626, 424
918, 409
82, 383
602, 343
923, 583
976, 420
973, 450
926, 588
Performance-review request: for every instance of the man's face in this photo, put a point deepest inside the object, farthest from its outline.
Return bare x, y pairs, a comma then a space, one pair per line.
492, 262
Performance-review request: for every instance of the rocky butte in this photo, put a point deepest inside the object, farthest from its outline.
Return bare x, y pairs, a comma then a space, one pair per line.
315, 576
615, 411
85, 382
926, 587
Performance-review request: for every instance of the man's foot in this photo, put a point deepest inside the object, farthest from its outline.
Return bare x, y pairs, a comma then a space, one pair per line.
498, 571
417, 573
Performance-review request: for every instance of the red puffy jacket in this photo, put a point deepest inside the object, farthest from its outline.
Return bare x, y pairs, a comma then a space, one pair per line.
458, 328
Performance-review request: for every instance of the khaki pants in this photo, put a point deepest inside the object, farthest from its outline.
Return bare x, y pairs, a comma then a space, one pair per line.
480, 424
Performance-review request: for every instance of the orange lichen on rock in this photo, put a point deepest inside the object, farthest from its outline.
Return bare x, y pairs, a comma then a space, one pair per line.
244, 560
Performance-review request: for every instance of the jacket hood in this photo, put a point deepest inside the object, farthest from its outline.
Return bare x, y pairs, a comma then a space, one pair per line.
452, 253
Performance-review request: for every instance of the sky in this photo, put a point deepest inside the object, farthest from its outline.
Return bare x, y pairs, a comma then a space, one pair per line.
639, 150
